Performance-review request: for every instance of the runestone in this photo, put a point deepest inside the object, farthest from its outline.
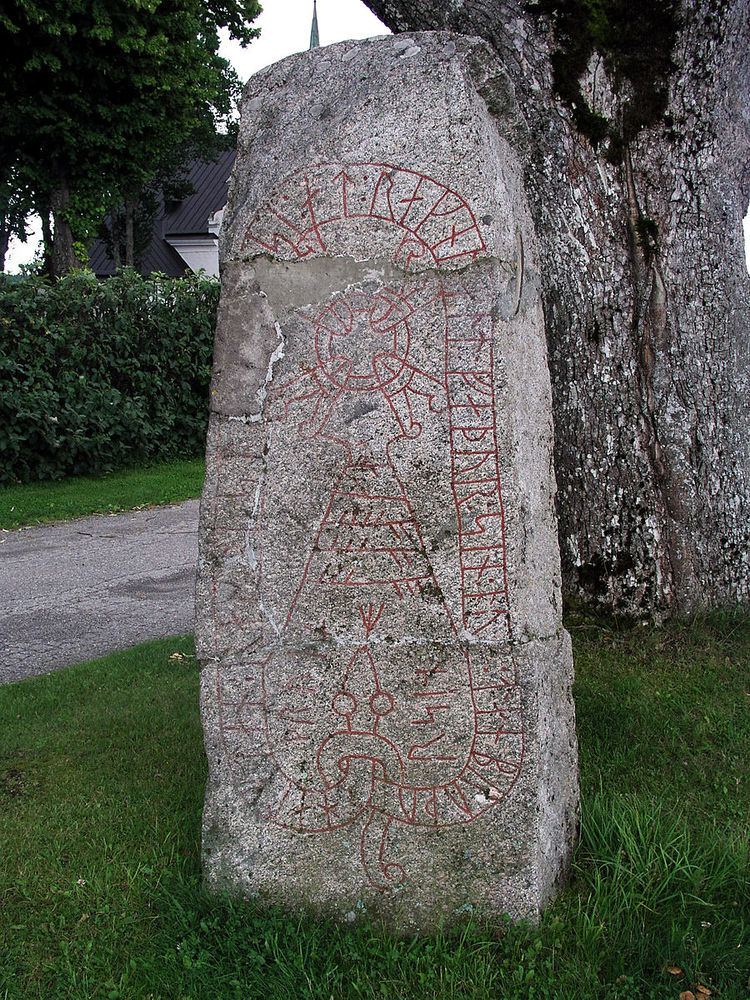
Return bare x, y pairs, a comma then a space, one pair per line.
386, 680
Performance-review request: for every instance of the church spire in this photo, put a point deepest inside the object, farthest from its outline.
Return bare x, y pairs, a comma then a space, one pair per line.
314, 36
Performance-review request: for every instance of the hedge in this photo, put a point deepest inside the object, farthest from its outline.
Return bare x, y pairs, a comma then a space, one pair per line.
99, 375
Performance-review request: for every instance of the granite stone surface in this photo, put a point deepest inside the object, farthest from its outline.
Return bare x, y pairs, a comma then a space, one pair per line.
386, 680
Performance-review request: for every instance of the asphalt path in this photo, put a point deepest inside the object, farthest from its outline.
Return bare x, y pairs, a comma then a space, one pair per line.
74, 591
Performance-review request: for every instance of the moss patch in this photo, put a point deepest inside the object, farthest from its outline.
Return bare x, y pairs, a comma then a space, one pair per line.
635, 38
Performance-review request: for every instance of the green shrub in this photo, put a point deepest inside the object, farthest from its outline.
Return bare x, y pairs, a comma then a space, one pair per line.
99, 375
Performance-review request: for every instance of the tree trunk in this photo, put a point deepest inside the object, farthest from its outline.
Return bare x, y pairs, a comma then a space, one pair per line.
130, 206
63, 257
647, 305
44, 215
115, 233
4, 242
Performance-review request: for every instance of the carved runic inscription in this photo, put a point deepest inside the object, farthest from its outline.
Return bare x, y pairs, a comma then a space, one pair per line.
415, 719
432, 222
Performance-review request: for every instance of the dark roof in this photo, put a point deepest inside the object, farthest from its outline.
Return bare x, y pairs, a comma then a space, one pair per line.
209, 182
158, 256
188, 218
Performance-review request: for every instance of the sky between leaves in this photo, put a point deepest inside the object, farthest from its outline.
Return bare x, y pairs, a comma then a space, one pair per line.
285, 28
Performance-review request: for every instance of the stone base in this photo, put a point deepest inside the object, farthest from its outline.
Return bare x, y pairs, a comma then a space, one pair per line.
498, 852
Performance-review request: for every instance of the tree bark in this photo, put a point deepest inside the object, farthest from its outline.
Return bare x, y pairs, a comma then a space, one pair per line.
44, 215
130, 206
62, 258
647, 306
115, 233
4, 242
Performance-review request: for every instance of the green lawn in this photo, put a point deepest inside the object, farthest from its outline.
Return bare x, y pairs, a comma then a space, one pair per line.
101, 783
35, 503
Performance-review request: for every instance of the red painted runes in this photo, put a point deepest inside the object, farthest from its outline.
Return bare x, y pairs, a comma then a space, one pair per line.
434, 223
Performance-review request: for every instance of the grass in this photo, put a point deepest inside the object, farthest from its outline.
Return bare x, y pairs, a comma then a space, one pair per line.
36, 503
101, 784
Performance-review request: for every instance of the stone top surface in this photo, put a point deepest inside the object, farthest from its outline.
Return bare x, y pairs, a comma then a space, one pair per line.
321, 107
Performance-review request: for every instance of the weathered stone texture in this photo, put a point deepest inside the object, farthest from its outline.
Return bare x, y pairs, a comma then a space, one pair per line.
386, 682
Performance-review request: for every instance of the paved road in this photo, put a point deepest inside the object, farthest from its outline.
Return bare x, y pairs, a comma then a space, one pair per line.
73, 591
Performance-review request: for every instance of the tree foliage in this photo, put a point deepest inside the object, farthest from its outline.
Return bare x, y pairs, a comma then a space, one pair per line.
100, 96
98, 375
